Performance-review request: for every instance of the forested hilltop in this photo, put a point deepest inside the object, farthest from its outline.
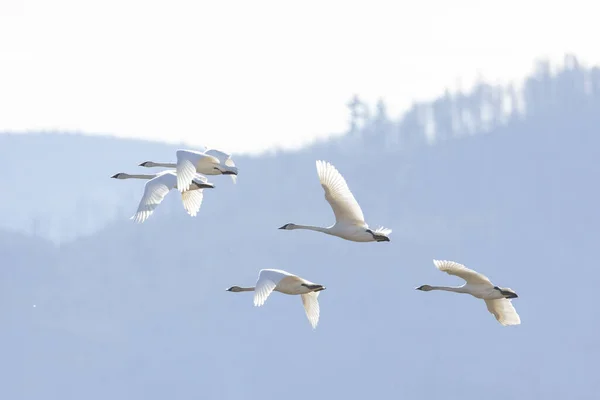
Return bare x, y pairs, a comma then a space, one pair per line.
71, 170
500, 179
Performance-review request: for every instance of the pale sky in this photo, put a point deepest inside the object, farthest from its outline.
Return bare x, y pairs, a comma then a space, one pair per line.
245, 76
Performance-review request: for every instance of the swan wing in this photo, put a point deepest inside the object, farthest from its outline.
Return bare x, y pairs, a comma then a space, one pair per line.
187, 163
454, 268
311, 306
504, 311
266, 283
225, 159
221, 156
338, 195
155, 191
192, 200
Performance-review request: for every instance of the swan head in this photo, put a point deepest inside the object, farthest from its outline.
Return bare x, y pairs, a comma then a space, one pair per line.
289, 226
234, 289
120, 175
148, 164
507, 292
378, 236
425, 288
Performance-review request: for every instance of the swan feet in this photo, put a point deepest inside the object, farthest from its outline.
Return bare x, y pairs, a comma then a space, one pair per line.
314, 288
378, 238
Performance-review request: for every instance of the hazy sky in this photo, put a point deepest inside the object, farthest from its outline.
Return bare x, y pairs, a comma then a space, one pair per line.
249, 75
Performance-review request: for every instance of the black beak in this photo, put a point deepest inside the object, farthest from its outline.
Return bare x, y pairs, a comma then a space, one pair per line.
115, 175
229, 173
283, 227
143, 164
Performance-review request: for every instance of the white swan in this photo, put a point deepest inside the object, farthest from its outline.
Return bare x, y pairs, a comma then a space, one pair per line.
349, 220
270, 280
497, 299
190, 162
159, 185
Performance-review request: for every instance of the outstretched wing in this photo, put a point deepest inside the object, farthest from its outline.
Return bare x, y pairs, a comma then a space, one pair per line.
454, 268
504, 311
192, 200
224, 158
311, 306
338, 195
267, 281
155, 191
187, 163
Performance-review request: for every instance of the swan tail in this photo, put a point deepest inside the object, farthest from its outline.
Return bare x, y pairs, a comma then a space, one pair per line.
382, 231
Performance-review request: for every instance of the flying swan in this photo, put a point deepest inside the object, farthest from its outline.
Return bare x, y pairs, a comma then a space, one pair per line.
497, 299
349, 220
159, 185
270, 280
190, 162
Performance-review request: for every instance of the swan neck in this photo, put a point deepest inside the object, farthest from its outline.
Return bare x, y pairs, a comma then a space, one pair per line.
246, 289
167, 165
449, 289
312, 228
138, 176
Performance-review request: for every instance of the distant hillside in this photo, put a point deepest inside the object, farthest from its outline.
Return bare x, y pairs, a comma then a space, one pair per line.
59, 186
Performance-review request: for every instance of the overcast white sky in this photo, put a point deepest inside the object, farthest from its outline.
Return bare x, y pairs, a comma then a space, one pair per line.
249, 75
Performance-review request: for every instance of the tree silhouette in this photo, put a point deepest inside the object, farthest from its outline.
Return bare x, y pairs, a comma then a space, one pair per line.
485, 107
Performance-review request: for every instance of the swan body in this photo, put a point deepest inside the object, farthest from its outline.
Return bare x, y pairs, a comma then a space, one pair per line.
497, 299
159, 185
190, 162
277, 280
349, 219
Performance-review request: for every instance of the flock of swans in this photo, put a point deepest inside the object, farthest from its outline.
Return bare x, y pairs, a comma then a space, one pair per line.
188, 178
